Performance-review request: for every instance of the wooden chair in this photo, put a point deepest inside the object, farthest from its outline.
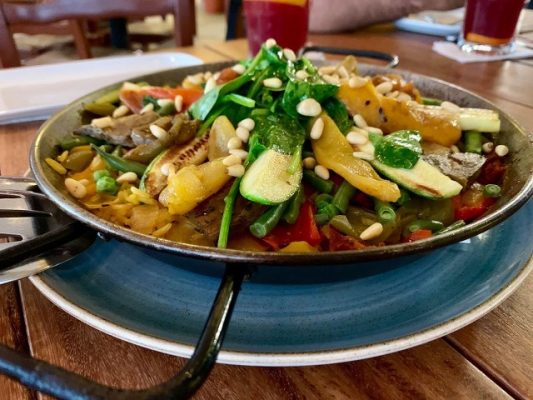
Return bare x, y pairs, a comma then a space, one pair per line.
16, 13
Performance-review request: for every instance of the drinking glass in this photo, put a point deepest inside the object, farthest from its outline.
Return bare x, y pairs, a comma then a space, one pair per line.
490, 26
287, 21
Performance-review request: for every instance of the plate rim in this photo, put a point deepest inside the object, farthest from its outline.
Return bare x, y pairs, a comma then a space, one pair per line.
296, 359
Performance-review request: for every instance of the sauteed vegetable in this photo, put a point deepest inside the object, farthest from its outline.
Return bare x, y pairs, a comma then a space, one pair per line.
276, 154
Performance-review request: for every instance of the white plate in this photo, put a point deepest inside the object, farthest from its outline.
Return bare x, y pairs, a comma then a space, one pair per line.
436, 23
33, 93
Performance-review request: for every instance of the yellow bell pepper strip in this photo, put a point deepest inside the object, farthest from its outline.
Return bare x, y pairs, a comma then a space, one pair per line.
193, 184
334, 152
434, 123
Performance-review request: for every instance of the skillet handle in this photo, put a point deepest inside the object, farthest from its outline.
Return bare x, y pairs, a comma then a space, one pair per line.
63, 384
392, 59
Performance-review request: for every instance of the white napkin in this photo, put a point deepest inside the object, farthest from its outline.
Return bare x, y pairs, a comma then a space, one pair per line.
451, 50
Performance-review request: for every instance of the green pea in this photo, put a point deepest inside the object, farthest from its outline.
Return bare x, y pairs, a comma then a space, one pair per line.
100, 174
106, 184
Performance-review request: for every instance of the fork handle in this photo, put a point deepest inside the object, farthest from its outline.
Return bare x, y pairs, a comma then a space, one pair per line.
18, 253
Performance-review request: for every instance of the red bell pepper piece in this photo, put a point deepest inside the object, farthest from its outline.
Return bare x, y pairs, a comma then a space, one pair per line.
304, 229
338, 241
418, 235
133, 98
471, 212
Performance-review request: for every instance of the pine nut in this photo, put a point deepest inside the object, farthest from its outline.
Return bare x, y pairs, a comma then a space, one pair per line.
273, 83
343, 73
230, 160
356, 82
247, 123
104, 122
363, 156
62, 157
356, 138
384, 87
372, 232
121, 111
309, 108
392, 95
56, 166
158, 132
234, 143
210, 85
196, 79
75, 188
454, 149
147, 108
403, 97
309, 163
242, 154
163, 230
374, 130
242, 133
129, 177
239, 68
359, 121
449, 106
501, 150
301, 75
270, 43
236, 170
130, 86
164, 102
178, 102
488, 147
207, 75
326, 70
317, 129
332, 79
289, 54
322, 172
84, 182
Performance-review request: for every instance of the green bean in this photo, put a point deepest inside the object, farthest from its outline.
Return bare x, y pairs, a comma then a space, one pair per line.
492, 190
321, 219
100, 174
384, 211
229, 204
258, 112
329, 211
341, 223
418, 224
473, 142
342, 197
75, 141
106, 184
323, 200
166, 109
428, 101
268, 221
119, 163
455, 225
322, 185
293, 209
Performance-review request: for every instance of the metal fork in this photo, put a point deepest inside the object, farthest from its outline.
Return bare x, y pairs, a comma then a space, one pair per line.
36, 234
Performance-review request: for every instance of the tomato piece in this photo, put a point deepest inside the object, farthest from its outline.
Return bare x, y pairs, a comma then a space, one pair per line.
339, 242
133, 98
226, 75
304, 229
470, 212
418, 235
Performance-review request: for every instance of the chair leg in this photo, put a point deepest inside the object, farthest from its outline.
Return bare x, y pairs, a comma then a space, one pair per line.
83, 47
9, 55
184, 22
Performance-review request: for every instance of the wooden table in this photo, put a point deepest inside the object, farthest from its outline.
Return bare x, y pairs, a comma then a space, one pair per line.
491, 358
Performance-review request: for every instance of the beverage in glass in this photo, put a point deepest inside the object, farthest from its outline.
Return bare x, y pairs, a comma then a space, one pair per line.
490, 25
286, 21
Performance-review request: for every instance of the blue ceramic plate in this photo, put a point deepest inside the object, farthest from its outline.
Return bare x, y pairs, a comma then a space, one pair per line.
294, 316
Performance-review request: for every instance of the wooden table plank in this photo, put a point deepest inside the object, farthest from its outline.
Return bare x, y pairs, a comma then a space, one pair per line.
434, 370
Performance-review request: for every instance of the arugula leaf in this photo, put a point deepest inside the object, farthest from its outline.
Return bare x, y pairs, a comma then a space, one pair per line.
338, 113
400, 149
150, 100
278, 132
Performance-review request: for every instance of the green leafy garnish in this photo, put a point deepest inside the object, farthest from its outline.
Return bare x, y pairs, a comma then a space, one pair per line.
338, 113
400, 149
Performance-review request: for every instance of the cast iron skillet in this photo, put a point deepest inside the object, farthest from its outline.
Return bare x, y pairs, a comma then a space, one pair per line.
60, 383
